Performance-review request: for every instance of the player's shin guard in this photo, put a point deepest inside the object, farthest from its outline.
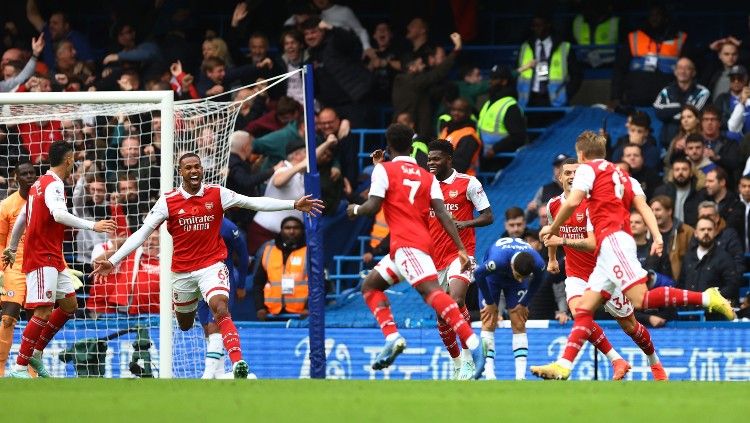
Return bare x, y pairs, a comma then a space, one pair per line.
582, 329
467, 317
214, 357
520, 353
447, 309
667, 296
56, 321
230, 337
449, 339
381, 309
6, 340
29, 339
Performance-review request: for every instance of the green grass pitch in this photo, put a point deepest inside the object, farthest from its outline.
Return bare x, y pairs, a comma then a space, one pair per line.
365, 401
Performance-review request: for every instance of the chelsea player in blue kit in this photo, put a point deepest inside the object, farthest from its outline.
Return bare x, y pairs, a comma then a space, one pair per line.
515, 268
235, 243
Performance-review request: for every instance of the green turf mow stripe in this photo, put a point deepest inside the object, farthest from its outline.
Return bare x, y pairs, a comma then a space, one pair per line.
364, 401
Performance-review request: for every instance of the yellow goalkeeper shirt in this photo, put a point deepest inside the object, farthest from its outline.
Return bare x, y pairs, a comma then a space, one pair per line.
9, 211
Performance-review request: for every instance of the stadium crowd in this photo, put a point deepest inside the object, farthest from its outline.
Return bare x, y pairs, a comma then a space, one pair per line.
696, 167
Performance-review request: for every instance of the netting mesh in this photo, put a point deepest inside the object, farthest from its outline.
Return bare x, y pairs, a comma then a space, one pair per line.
117, 176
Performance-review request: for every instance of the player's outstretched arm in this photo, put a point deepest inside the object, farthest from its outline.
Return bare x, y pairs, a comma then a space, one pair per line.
657, 246
103, 266
566, 210
305, 204
445, 220
368, 208
587, 244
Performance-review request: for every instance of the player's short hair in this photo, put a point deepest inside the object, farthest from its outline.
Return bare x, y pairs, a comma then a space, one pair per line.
664, 200
523, 263
592, 145
443, 146
21, 163
569, 161
513, 213
399, 137
721, 174
57, 152
185, 156
641, 119
694, 138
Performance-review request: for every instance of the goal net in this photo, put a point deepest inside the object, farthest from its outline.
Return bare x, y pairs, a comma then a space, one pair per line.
126, 147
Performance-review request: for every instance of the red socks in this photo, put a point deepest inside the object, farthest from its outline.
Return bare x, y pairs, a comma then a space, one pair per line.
467, 317
666, 296
381, 309
599, 339
28, 340
231, 338
56, 321
447, 310
449, 339
583, 328
642, 338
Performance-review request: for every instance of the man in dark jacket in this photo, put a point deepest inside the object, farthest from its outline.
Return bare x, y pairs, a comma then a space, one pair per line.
341, 79
720, 150
411, 88
672, 98
502, 130
681, 189
241, 178
730, 207
705, 265
725, 237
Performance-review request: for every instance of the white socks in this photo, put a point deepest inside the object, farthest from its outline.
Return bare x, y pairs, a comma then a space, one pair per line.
488, 339
466, 356
653, 359
613, 355
214, 357
520, 353
392, 336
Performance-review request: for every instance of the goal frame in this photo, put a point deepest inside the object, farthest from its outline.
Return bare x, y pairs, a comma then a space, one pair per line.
164, 101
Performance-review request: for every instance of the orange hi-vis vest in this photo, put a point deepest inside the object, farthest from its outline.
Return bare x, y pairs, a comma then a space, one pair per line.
294, 269
649, 55
455, 136
379, 229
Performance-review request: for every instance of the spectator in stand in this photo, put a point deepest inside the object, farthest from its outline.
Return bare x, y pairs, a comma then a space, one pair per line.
462, 134
418, 36
182, 83
287, 110
725, 237
705, 265
515, 224
598, 30
293, 44
738, 123
57, 30
690, 119
411, 88
647, 64
695, 151
556, 75
658, 266
347, 148
675, 233
333, 187
728, 53
280, 280
68, 67
730, 207
132, 161
216, 47
216, 79
674, 96
342, 81
254, 105
242, 178
386, 64
343, 17
273, 145
720, 150
648, 178
471, 85
502, 126
142, 57
683, 189
21, 73
547, 191
131, 196
744, 189
639, 132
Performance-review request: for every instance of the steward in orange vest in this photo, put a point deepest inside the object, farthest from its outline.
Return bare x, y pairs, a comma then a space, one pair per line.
280, 281
462, 134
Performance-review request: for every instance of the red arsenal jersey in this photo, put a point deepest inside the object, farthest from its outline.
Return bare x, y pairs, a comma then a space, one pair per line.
462, 195
577, 263
44, 236
407, 190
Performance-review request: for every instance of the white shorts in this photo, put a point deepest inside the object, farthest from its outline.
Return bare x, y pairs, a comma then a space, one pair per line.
453, 271
408, 263
46, 285
617, 306
617, 266
187, 288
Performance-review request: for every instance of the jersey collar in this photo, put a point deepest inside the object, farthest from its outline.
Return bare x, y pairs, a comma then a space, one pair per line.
54, 175
405, 159
187, 195
450, 178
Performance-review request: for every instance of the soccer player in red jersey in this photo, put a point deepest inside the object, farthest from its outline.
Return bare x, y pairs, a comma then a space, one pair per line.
194, 213
463, 194
406, 192
44, 219
578, 241
610, 195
